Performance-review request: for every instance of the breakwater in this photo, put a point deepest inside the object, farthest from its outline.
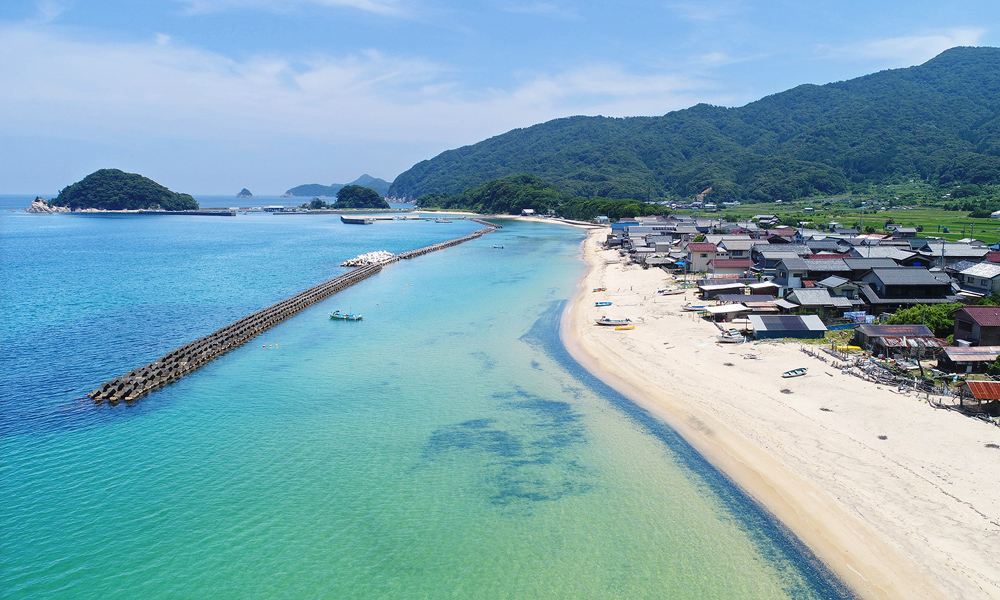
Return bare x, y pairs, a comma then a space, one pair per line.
177, 363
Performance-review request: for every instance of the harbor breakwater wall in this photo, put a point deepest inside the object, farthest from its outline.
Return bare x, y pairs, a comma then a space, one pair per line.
191, 356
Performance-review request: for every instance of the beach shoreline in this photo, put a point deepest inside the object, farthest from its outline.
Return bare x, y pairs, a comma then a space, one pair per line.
897, 499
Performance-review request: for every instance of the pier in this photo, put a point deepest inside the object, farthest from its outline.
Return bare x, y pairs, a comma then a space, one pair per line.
191, 356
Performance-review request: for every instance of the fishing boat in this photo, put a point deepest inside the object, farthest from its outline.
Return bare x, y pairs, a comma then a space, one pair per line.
602, 303
623, 327
795, 372
441, 220
600, 289
733, 336
345, 316
607, 321
694, 307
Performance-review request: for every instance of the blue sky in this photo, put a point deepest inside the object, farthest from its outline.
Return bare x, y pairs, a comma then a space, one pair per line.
209, 96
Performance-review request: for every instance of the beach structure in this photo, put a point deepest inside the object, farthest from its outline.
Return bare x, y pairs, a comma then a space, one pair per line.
977, 325
191, 356
787, 326
898, 341
972, 359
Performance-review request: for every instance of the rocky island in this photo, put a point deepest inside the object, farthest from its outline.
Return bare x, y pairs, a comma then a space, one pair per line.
245, 193
113, 189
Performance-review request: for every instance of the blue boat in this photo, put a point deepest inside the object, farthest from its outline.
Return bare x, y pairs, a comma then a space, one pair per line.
602, 304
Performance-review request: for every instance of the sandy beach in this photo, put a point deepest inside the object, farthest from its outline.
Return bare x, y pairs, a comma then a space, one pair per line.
899, 499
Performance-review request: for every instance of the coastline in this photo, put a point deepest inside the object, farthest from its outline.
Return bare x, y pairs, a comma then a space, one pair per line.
897, 499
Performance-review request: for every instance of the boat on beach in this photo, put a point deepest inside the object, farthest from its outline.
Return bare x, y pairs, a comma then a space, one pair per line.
795, 372
619, 322
601, 289
694, 307
670, 292
732, 336
624, 327
345, 316
605, 303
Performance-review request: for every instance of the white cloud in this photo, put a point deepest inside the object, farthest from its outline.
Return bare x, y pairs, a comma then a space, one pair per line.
909, 50
48, 10
387, 8
61, 88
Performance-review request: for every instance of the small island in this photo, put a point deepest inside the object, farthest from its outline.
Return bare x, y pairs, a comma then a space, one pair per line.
113, 189
351, 196
245, 193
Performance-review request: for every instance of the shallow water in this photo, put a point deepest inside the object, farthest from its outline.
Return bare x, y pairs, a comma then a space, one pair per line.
446, 446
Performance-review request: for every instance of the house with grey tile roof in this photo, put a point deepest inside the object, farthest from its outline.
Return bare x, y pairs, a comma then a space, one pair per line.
981, 278
887, 289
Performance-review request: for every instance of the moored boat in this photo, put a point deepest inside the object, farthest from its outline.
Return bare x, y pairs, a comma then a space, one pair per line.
607, 321
795, 372
345, 316
694, 307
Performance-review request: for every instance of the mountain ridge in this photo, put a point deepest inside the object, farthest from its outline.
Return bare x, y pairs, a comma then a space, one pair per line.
938, 121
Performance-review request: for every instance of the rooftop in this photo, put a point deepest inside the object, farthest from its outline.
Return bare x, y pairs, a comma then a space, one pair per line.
984, 316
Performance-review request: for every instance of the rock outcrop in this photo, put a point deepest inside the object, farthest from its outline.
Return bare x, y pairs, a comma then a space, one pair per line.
41, 206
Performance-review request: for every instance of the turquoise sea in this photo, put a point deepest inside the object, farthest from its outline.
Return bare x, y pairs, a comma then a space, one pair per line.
445, 447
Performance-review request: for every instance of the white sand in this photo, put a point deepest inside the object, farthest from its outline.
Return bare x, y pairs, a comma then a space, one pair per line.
916, 515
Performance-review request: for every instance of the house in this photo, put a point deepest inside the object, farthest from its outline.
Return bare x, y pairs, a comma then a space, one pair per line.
840, 287
787, 326
790, 272
973, 359
942, 254
729, 266
819, 301
528, 212
900, 231
898, 341
699, 254
887, 289
602, 220
981, 278
978, 325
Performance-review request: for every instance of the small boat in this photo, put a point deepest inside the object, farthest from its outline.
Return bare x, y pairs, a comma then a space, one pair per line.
602, 304
795, 372
345, 316
694, 307
733, 336
607, 321
625, 327
440, 220
669, 292
600, 289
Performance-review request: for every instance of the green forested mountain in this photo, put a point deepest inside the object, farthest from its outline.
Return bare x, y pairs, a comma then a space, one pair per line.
511, 195
939, 121
316, 189
112, 189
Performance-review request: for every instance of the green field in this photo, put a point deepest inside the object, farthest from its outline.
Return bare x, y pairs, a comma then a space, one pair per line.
932, 219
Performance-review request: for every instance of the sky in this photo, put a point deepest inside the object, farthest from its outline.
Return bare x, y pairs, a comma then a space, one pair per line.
211, 96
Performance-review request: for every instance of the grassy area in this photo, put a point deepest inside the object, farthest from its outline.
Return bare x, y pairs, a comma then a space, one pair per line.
824, 210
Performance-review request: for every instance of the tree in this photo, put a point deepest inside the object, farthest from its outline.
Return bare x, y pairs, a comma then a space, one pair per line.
939, 318
356, 196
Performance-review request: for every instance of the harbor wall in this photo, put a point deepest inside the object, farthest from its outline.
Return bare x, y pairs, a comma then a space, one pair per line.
181, 361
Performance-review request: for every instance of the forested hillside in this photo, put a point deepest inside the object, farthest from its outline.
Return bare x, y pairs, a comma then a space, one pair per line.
113, 189
939, 121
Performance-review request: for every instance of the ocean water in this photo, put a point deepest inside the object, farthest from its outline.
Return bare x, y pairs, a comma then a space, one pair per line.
444, 447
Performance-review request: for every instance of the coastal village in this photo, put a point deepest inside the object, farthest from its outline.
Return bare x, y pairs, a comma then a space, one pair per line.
769, 282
